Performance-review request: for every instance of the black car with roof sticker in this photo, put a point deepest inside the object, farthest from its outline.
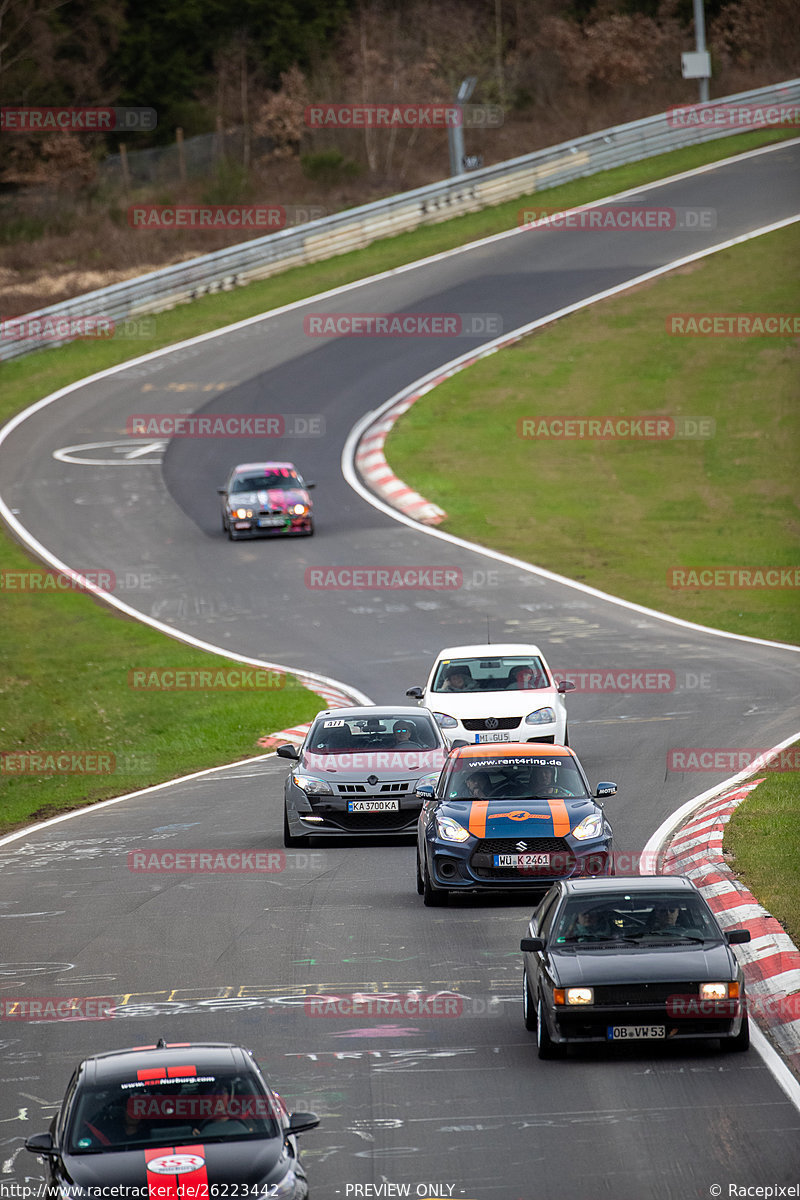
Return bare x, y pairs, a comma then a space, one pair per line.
177, 1116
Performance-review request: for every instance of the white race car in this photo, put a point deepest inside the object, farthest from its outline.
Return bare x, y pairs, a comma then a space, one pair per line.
496, 693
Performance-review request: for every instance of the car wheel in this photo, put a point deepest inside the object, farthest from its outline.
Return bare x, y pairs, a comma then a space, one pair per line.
741, 1041
288, 839
310, 530
528, 1006
231, 535
545, 1045
431, 897
420, 884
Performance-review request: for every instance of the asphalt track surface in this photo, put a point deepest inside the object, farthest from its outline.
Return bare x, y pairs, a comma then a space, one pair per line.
461, 1103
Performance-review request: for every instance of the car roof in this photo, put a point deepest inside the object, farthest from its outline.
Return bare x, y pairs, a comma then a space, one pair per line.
482, 650
377, 711
263, 466
512, 749
124, 1065
629, 883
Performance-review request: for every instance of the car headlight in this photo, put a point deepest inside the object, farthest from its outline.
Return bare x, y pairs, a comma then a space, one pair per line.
242, 513
311, 786
450, 830
719, 991
542, 716
286, 1187
298, 510
445, 722
580, 995
590, 827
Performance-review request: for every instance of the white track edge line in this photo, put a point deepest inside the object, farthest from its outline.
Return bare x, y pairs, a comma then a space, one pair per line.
351, 445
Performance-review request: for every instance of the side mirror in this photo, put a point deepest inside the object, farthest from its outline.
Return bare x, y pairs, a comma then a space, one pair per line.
531, 944
737, 937
605, 789
416, 692
425, 791
459, 742
288, 751
565, 685
299, 1122
41, 1143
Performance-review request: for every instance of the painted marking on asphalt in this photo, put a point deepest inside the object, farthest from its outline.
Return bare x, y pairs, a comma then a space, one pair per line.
128, 453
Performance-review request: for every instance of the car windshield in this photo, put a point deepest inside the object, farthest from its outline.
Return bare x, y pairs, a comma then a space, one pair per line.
511, 777
654, 917
283, 478
517, 673
353, 735
129, 1114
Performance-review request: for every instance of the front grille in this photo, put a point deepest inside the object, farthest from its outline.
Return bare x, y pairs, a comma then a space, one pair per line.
562, 859
535, 845
381, 789
642, 993
384, 821
479, 724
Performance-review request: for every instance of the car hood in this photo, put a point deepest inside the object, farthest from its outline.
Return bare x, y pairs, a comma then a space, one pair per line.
518, 818
280, 498
495, 704
643, 963
387, 765
195, 1162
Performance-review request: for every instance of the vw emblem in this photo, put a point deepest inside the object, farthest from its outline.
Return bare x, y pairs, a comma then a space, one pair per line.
372, 780
522, 845
491, 722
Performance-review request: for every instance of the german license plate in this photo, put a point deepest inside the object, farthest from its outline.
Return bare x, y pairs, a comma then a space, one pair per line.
496, 735
631, 1033
367, 806
522, 861
264, 522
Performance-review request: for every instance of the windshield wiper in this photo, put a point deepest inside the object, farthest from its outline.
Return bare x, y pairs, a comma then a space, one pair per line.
673, 935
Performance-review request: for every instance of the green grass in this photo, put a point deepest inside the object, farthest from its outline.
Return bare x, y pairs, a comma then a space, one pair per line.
764, 837
64, 680
620, 514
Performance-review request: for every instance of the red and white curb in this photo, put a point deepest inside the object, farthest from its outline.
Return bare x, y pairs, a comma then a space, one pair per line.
771, 961
378, 475
333, 697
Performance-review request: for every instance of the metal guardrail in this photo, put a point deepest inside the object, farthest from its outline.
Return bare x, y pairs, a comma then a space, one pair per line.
357, 227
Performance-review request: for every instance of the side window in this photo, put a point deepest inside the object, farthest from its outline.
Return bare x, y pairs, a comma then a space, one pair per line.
61, 1128
543, 917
